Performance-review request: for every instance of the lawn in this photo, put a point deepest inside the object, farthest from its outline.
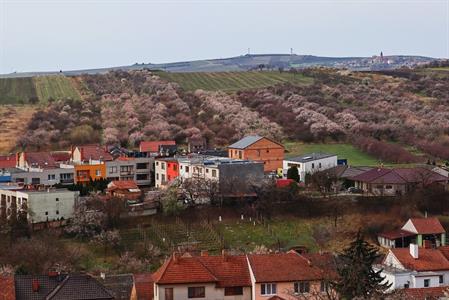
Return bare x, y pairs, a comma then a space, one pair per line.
55, 87
232, 81
354, 156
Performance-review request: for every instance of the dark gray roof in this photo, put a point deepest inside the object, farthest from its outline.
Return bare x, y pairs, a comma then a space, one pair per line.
310, 157
120, 286
246, 141
60, 287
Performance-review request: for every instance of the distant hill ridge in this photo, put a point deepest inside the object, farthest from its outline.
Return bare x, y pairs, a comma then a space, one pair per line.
255, 61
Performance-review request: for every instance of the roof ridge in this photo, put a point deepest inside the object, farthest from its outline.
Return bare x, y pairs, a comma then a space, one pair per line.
58, 288
208, 270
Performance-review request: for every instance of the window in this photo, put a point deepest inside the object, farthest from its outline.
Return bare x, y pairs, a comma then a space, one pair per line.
319, 165
97, 172
268, 150
57, 212
313, 165
214, 173
162, 177
240, 154
57, 199
46, 213
51, 176
142, 166
157, 163
388, 187
441, 277
168, 293
406, 285
157, 176
302, 287
268, 289
175, 167
207, 170
187, 169
163, 166
324, 286
197, 292
426, 282
233, 291
112, 169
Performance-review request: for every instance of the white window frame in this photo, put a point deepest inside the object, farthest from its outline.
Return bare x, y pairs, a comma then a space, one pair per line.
268, 289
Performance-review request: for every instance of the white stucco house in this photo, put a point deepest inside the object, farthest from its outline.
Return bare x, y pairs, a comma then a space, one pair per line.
309, 163
416, 267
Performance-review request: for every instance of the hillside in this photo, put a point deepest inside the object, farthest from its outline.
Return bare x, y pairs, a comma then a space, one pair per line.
253, 62
232, 81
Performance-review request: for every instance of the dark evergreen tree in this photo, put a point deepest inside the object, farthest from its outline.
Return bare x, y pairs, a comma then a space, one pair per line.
357, 278
292, 173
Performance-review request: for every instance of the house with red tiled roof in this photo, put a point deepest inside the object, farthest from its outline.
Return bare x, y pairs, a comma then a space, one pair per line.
158, 148
425, 293
397, 181
417, 231
7, 161
143, 287
206, 277
415, 267
90, 154
284, 275
125, 189
7, 288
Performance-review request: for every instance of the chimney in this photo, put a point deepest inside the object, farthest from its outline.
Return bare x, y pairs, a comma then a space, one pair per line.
52, 274
35, 285
224, 254
414, 250
204, 253
175, 257
427, 244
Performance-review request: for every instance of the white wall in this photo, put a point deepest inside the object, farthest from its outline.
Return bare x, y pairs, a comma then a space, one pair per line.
44, 205
180, 291
304, 168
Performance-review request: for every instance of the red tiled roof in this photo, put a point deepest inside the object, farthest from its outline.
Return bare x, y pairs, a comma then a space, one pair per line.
400, 176
153, 146
144, 286
61, 156
7, 288
231, 270
425, 293
276, 298
283, 267
427, 225
42, 160
183, 269
94, 152
370, 175
428, 259
396, 234
7, 161
122, 184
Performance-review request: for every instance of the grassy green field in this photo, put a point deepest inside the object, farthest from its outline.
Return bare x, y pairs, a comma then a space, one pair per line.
232, 81
354, 156
16, 90
55, 87
283, 233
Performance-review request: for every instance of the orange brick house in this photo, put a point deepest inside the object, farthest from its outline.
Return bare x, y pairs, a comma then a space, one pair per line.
259, 148
84, 173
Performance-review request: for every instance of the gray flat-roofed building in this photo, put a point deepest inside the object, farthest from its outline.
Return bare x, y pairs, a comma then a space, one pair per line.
310, 163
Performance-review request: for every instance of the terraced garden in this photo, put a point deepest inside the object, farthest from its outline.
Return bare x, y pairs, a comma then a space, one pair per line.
232, 81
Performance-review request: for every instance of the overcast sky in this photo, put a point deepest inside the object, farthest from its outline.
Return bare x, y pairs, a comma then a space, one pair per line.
38, 35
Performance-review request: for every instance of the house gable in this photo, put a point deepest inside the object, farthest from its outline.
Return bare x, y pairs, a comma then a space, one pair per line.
409, 227
264, 143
